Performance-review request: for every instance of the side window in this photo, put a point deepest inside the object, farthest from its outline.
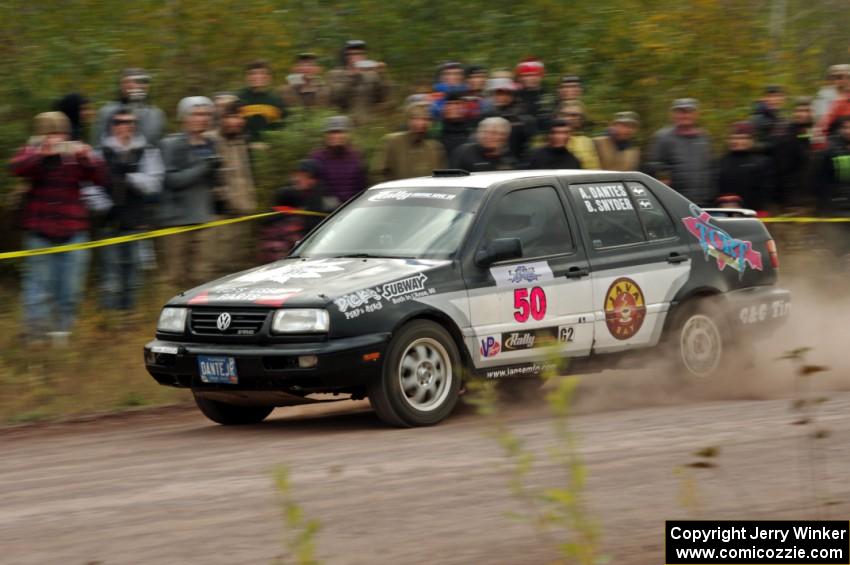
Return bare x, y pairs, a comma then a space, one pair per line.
655, 219
536, 217
608, 211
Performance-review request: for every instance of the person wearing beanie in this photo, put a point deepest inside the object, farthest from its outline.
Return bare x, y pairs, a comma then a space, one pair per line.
133, 91
188, 197
743, 172
136, 173
554, 155
450, 80
54, 212
529, 75
455, 125
262, 108
305, 86
680, 154
360, 86
235, 194
475, 95
80, 113
503, 97
279, 234
795, 156
410, 153
341, 166
616, 149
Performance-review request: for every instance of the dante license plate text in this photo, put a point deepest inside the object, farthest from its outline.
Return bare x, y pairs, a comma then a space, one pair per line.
218, 370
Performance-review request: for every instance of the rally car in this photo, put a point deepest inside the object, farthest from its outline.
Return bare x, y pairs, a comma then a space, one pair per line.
416, 285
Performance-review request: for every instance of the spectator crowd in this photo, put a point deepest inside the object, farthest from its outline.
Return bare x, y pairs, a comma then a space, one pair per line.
115, 171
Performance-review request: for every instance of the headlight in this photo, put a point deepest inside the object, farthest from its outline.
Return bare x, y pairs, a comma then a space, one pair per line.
300, 320
172, 320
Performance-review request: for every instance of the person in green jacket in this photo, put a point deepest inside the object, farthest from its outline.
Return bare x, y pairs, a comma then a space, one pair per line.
262, 108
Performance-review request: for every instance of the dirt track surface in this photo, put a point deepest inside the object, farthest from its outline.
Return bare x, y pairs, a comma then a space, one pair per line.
170, 487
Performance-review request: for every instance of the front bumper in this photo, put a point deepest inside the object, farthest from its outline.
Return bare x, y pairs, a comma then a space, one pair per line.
758, 310
341, 364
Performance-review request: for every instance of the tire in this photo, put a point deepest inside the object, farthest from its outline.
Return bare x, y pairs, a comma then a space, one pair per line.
698, 342
232, 414
421, 377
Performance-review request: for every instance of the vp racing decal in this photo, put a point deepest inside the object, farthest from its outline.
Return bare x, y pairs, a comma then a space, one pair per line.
717, 243
625, 308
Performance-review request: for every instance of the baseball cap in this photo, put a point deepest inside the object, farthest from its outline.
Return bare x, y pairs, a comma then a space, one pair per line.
337, 123
685, 104
627, 118
496, 84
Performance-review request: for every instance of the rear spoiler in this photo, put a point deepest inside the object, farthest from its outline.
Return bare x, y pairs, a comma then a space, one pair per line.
731, 212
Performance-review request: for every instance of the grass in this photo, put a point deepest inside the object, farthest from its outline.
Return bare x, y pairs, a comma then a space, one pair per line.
101, 370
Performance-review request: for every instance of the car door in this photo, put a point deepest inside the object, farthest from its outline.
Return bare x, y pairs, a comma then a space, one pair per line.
518, 306
637, 258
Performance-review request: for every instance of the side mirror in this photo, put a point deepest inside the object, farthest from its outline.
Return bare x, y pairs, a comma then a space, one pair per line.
499, 250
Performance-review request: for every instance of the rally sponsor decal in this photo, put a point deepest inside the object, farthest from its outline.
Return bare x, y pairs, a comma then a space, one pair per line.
605, 198
416, 283
490, 346
529, 339
404, 195
281, 274
715, 242
357, 299
522, 274
625, 308
757, 313
366, 300
525, 370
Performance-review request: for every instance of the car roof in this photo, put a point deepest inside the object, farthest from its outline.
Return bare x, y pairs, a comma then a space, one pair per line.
486, 180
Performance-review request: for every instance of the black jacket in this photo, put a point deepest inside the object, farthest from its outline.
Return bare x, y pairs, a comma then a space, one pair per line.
748, 175
549, 157
453, 134
470, 157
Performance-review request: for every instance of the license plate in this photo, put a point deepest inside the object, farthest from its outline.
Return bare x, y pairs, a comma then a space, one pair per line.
217, 370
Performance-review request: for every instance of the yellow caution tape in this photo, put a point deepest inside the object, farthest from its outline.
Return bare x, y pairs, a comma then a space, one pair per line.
182, 229
150, 234
803, 220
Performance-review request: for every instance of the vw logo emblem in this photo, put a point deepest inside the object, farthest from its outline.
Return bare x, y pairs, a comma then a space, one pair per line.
223, 321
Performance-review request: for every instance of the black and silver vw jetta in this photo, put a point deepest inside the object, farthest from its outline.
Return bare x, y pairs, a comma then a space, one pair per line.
415, 285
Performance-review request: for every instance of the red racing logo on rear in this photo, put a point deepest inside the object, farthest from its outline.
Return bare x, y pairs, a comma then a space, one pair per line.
625, 308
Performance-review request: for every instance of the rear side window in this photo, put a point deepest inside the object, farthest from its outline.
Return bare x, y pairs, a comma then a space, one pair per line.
609, 214
656, 220
536, 217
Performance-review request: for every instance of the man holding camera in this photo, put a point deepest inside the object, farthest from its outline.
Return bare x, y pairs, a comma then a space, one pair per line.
53, 213
360, 84
191, 175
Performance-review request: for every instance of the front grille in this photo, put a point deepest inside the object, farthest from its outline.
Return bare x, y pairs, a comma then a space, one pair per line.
204, 321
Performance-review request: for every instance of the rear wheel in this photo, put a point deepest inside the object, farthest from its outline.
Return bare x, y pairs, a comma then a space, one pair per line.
421, 377
232, 414
698, 343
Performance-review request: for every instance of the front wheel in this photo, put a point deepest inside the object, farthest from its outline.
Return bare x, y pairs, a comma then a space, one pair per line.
421, 377
232, 414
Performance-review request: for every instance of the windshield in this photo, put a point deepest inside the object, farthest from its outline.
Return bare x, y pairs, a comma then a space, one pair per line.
416, 223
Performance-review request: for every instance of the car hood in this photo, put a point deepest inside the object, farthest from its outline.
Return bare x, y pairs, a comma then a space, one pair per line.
306, 282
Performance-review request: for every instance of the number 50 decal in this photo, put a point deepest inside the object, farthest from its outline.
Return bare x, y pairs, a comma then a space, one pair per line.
529, 304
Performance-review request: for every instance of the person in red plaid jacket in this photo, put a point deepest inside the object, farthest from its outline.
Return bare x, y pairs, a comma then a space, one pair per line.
54, 212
